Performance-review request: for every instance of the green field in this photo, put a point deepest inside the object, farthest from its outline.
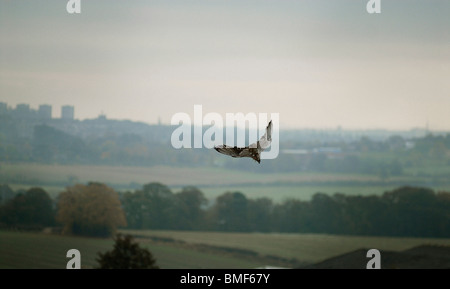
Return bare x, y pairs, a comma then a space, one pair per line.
38, 250
275, 193
212, 181
172, 176
303, 247
35, 250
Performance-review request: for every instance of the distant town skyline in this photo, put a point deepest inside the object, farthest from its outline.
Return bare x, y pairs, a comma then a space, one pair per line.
319, 64
43, 110
67, 112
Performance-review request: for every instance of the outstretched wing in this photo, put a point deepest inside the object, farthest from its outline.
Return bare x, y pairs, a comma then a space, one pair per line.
235, 152
253, 151
265, 140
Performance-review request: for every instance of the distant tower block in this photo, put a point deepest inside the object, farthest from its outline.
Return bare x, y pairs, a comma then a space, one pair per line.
45, 111
23, 109
3, 107
67, 112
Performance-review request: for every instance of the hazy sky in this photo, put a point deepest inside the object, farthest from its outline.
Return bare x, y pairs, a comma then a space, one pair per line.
319, 64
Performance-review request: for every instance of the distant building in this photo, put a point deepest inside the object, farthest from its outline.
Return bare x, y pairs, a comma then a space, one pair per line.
23, 110
3, 107
67, 112
101, 116
45, 111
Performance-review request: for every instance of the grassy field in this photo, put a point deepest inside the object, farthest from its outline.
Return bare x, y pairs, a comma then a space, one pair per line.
303, 247
212, 181
275, 193
38, 250
35, 250
172, 176
442, 170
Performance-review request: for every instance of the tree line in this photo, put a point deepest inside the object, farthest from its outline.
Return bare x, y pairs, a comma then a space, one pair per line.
97, 210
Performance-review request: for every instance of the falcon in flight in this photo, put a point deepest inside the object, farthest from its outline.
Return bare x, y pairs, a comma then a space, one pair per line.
252, 151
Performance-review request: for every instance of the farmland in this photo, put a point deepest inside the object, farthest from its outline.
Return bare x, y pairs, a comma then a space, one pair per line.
182, 249
172, 176
212, 181
303, 247
36, 250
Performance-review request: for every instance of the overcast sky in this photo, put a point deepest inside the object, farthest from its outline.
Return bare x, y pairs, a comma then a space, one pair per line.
319, 64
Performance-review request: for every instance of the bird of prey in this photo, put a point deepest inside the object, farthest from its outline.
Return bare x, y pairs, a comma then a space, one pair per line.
252, 151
